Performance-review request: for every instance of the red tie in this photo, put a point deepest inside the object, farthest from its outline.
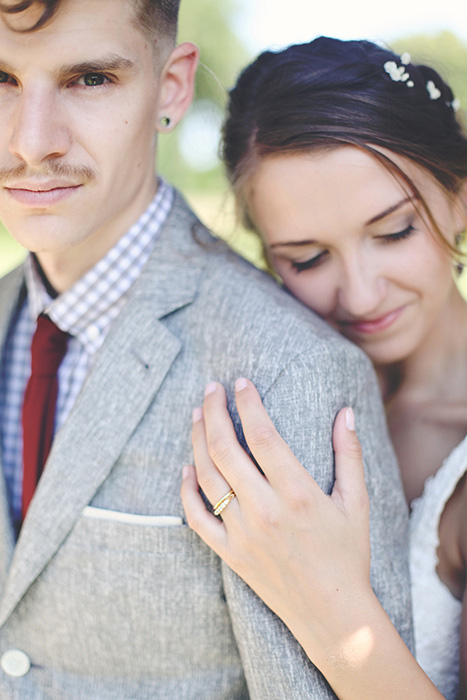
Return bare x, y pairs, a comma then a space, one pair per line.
47, 351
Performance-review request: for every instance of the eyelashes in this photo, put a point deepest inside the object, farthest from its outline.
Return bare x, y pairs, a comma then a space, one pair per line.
312, 262
318, 259
400, 236
91, 79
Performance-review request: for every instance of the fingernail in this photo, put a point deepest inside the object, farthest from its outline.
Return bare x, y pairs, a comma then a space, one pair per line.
350, 419
197, 414
241, 384
210, 388
185, 472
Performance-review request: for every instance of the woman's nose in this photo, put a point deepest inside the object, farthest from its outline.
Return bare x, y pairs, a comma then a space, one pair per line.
361, 291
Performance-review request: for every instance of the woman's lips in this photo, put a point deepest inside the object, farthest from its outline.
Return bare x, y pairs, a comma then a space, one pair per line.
376, 325
41, 198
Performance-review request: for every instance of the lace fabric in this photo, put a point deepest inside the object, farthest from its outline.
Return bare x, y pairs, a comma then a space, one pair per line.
437, 613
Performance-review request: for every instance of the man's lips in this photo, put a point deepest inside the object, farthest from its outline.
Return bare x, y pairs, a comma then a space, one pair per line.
37, 194
375, 325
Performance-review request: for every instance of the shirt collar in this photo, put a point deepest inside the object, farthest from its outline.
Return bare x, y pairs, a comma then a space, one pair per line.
87, 309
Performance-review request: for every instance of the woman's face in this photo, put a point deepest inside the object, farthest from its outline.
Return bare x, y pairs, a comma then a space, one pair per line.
347, 240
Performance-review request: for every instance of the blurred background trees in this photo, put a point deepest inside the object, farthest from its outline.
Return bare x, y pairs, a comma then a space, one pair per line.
188, 156
445, 52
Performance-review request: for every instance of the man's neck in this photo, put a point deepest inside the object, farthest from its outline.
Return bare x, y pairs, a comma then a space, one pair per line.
63, 268
51, 291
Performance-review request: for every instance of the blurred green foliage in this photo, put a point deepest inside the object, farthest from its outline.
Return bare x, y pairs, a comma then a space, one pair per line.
213, 26
210, 24
444, 52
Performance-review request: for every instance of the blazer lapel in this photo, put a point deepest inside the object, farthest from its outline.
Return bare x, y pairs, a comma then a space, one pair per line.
130, 367
11, 288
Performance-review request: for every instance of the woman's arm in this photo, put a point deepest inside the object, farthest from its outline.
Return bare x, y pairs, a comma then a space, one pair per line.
307, 555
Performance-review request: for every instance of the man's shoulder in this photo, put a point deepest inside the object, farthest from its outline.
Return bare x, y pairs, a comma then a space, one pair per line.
244, 304
11, 283
13, 277
232, 286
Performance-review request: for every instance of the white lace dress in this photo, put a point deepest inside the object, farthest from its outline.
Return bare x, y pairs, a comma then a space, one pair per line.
437, 614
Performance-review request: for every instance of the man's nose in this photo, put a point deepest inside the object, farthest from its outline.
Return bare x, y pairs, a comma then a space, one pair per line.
38, 130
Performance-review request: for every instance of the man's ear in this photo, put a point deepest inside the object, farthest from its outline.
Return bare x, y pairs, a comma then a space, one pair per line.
177, 86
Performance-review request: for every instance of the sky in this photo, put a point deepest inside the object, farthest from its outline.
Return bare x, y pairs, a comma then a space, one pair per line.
265, 23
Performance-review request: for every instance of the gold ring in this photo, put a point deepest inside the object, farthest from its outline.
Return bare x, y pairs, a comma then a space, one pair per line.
224, 502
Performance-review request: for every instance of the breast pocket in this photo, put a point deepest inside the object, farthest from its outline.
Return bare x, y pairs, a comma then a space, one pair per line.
139, 596
117, 516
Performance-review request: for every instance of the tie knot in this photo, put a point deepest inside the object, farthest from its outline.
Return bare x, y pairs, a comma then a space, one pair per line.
48, 347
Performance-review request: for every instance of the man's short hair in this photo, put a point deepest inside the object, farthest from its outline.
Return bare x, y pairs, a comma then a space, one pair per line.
152, 16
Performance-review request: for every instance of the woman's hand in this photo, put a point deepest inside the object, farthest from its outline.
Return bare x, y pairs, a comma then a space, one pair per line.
306, 554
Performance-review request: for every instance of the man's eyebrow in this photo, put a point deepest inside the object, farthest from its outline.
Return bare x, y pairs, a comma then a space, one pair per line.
100, 65
373, 220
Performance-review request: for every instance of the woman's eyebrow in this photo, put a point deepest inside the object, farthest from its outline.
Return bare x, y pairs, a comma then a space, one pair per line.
291, 244
373, 220
389, 210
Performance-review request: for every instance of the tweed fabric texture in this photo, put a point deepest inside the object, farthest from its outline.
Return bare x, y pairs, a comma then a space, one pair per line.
108, 609
85, 311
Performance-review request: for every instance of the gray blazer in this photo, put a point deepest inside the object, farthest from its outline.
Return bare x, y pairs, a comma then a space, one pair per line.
107, 605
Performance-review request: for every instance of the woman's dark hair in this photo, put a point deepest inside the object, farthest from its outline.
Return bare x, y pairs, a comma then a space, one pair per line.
152, 15
330, 93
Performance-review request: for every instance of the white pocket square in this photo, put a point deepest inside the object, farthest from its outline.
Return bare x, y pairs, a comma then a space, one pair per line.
132, 518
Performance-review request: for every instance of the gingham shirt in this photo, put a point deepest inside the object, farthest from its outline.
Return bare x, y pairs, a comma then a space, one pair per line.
85, 311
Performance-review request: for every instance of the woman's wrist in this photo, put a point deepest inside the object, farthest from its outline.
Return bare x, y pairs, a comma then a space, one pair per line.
341, 635
361, 654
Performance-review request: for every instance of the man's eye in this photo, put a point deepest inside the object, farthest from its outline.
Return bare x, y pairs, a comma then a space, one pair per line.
93, 79
4, 77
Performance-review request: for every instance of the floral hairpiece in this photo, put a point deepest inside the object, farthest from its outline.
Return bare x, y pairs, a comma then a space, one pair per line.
401, 74
433, 91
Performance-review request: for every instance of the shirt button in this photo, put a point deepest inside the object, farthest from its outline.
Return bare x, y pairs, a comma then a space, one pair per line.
93, 333
15, 662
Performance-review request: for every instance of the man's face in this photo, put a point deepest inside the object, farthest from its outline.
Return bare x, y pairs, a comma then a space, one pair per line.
78, 108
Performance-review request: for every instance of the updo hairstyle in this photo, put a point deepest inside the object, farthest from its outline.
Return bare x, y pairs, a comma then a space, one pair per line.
329, 93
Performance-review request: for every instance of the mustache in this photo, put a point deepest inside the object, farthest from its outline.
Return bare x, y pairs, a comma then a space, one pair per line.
55, 170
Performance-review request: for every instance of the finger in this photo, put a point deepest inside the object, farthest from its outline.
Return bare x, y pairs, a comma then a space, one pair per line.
350, 485
209, 477
206, 525
282, 469
223, 446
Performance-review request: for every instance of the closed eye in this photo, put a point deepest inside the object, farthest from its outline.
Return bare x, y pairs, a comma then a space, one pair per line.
312, 262
318, 259
399, 236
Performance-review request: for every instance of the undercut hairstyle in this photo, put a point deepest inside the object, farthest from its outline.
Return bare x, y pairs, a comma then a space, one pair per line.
152, 16
330, 93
